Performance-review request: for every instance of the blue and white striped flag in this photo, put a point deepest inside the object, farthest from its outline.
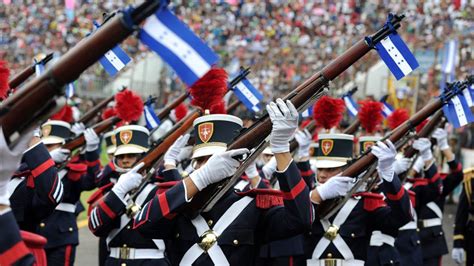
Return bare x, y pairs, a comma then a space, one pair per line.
248, 95
39, 69
396, 55
351, 105
151, 119
308, 112
114, 60
457, 111
387, 109
469, 95
70, 90
186, 53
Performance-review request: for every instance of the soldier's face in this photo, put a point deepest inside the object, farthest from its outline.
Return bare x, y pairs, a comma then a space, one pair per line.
127, 160
324, 174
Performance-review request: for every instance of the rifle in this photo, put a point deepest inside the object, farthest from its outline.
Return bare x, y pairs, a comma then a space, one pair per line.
96, 110
26, 108
19, 78
232, 106
330, 207
301, 97
352, 128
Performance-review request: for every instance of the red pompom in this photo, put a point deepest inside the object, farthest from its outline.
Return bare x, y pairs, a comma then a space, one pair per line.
4, 76
180, 111
328, 111
370, 115
397, 118
65, 114
421, 126
129, 105
208, 92
109, 112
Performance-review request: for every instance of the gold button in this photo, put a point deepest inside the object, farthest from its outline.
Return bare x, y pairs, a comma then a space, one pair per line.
236, 242
123, 264
177, 235
124, 245
440, 233
391, 261
70, 229
418, 242
418, 229
310, 233
128, 226
210, 222
353, 235
42, 225
329, 255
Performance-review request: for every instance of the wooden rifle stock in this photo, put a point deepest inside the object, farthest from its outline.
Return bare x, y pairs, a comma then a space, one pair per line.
99, 128
25, 108
365, 161
352, 128
232, 106
19, 78
96, 110
254, 135
167, 110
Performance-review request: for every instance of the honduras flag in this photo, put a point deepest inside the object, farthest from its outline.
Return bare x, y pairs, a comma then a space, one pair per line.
308, 112
70, 90
457, 111
114, 60
396, 55
387, 109
39, 69
469, 95
152, 120
165, 34
351, 105
248, 95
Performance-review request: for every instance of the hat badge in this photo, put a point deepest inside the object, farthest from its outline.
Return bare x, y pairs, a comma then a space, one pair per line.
126, 136
368, 144
326, 146
205, 131
46, 130
113, 139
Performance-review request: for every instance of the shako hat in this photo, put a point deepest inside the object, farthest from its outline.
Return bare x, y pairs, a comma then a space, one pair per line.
365, 142
55, 132
213, 133
131, 139
335, 150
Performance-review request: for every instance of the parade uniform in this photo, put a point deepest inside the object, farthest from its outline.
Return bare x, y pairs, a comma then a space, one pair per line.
35, 190
430, 217
464, 223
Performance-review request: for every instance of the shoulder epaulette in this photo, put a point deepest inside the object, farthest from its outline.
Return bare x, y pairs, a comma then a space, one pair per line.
264, 198
76, 170
372, 201
99, 193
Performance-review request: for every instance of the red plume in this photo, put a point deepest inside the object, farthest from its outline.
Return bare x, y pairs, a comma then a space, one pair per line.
129, 105
208, 92
370, 115
421, 126
109, 112
397, 118
328, 111
180, 111
4, 76
65, 114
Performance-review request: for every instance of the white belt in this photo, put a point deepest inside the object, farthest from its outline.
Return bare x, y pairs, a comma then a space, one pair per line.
66, 207
334, 262
378, 239
409, 226
136, 253
430, 222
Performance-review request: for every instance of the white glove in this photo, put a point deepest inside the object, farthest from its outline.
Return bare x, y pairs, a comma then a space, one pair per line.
171, 156
401, 165
304, 141
92, 140
418, 165
385, 153
423, 145
269, 168
218, 167
128, 181
59, 155
458, 255
185, 153
9, 162
284, 117
252, 171
37, 132
78, 128
441, 137
336, 186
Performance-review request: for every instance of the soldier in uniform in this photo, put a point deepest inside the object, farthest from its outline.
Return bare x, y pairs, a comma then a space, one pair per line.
60, 228
344, 237
464, 223
230, 232
108, 217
